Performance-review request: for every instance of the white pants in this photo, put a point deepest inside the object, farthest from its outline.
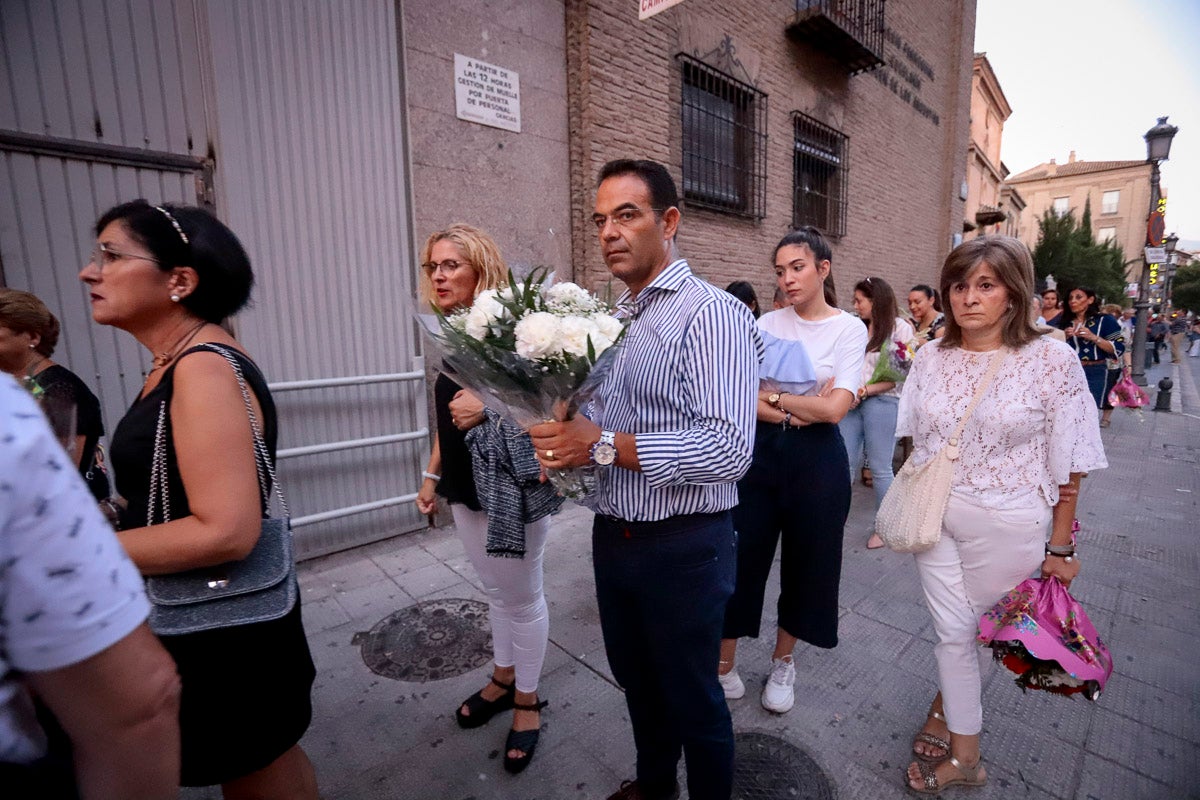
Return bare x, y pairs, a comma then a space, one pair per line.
517, 607
982, 554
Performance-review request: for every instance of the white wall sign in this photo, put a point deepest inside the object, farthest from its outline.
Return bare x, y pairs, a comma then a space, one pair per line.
487, 94
648, 8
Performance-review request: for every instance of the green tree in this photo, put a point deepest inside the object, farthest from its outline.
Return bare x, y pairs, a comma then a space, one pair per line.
1185, 290
1067, 250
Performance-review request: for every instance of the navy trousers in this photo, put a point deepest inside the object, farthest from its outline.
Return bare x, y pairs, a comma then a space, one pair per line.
797, 491
662, 588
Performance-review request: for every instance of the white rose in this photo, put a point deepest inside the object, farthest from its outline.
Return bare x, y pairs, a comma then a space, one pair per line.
538, 335
568, 297
608, 328
575, 333
484, 313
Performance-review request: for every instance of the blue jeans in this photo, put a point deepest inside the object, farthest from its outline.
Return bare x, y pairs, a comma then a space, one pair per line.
872, 425
662, 589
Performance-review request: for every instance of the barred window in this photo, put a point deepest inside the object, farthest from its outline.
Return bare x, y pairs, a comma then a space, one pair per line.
819, 176
724, 141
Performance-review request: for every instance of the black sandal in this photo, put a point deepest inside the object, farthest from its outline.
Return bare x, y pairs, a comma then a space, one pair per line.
525, 741
480, 710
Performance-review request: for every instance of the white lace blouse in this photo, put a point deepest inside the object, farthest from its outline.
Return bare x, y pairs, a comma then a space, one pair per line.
1035, 424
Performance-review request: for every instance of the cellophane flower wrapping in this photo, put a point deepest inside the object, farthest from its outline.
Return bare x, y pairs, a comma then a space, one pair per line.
895, 360
1127, 394
1041, 633
532, 351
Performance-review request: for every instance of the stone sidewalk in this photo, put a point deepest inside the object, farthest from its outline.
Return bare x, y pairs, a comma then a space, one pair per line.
857, 706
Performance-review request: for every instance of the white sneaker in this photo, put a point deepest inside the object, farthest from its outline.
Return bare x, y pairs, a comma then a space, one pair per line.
778, 695
731, 682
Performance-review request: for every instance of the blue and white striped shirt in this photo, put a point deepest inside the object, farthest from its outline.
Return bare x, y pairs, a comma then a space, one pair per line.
685, 383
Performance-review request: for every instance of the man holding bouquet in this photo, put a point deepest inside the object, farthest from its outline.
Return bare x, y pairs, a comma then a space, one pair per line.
672, 434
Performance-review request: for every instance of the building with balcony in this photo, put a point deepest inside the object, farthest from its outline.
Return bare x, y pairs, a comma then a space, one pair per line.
1118, 193
991, 206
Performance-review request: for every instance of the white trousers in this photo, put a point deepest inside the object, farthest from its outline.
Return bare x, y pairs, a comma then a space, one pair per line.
983, 553
516, 604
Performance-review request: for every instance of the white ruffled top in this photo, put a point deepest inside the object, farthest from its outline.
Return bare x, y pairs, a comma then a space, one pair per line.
1036, 423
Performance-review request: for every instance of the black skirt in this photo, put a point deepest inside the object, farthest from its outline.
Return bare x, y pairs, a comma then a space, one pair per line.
246, 696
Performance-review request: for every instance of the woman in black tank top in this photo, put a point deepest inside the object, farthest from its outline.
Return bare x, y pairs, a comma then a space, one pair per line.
167, 275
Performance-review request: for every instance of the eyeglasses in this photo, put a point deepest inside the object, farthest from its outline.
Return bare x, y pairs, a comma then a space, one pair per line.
449, 266
624, 217
104, 256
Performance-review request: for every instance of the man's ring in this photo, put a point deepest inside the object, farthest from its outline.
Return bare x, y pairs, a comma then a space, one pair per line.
550, 455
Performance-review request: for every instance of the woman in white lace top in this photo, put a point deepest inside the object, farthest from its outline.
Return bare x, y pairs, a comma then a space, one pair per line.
1016, 479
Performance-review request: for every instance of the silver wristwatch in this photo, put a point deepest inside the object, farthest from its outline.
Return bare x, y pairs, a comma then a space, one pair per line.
604, 452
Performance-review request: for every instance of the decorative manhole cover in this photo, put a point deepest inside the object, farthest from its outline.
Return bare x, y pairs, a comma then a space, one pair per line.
429, 641
768, 768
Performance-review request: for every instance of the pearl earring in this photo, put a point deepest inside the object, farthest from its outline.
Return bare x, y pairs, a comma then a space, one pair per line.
174, 298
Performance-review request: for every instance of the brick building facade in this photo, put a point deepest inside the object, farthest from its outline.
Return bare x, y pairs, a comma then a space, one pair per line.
874, 158
884, 173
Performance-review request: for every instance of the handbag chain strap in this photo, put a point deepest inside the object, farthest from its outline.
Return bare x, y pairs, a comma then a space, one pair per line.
262, 457
993, 368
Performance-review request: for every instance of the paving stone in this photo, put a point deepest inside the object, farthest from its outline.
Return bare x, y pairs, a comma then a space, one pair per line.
1144, 750
905, 614
1173, 714
1066, 718
1037, 755
423, 582
323, 614
1103, 780
373, 601
349, 574
401, 560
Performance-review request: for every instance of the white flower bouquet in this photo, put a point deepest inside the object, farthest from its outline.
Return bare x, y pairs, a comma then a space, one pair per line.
532, 351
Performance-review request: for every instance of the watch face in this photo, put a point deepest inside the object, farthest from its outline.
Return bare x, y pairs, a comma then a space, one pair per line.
773, 398
604, 454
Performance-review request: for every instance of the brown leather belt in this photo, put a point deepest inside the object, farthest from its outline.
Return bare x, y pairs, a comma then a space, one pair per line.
1091, 363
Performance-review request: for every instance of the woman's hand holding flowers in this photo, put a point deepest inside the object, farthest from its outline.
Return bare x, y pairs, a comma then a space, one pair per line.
466, 410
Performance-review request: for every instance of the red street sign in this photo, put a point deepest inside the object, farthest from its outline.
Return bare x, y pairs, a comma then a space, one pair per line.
1155, 229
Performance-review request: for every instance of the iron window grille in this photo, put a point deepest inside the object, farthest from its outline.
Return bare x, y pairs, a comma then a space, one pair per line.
724, 125
819, 176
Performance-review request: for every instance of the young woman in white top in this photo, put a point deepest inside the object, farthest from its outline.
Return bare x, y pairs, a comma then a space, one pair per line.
871, 421
798, 485
1015, 481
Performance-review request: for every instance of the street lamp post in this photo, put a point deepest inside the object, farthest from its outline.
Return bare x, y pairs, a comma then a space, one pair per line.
1158, 147
1169, 245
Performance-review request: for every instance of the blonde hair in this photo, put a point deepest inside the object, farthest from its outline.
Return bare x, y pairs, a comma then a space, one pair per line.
25, 313
478, 250
1111, 308
1009, 258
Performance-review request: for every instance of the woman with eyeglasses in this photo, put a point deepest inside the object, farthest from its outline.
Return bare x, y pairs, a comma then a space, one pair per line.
168, 275
487, 471
870, 424
798, 488
28, 336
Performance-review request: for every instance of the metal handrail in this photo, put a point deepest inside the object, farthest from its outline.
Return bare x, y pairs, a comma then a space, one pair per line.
351, 444
352, 380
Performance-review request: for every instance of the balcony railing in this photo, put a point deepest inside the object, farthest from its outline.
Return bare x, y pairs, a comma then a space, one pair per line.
989, 215
850, 31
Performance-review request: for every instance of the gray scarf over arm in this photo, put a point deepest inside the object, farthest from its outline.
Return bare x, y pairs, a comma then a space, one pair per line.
508, 483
